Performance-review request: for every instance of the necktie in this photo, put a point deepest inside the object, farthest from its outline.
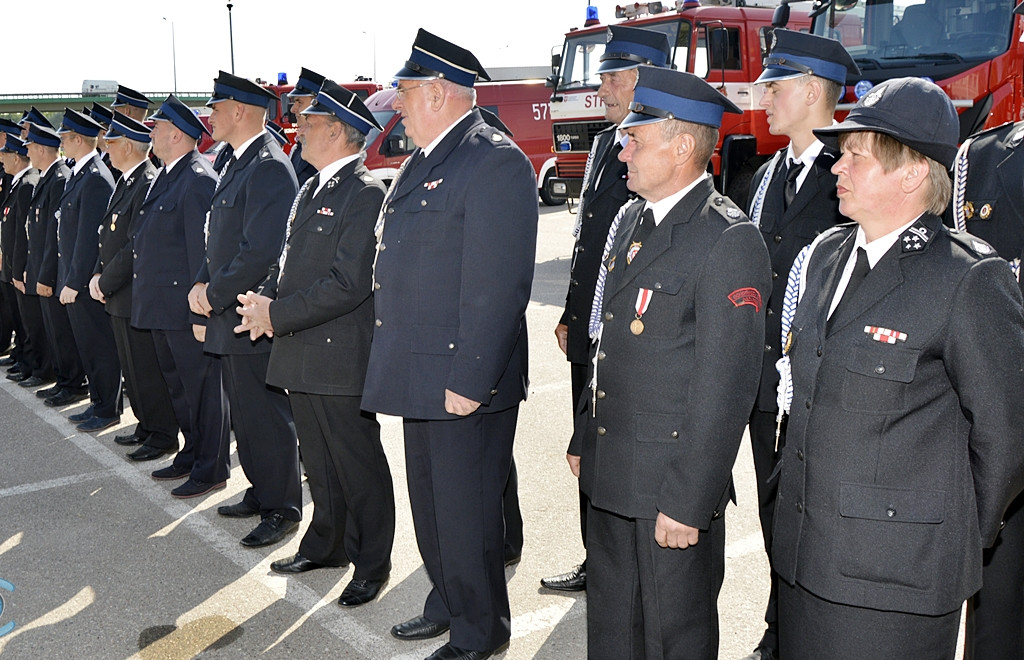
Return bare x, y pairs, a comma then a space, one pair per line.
642, 230
795, 167
860, 270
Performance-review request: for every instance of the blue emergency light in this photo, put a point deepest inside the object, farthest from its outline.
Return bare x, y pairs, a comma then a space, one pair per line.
592, 18
282, 78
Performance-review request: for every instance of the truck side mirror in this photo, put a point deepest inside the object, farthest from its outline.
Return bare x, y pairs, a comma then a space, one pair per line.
781, 15
395, 145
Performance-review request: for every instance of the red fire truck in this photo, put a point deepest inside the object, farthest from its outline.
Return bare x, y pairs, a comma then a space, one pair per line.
970, 48
522, 105
722, 44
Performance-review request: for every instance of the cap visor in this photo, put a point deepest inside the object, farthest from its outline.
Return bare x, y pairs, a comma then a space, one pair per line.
773, 74
405, 73
610, 66
639, 119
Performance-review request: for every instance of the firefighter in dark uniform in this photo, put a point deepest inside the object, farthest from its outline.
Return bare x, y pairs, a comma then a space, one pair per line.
306, 88
130, 103
453, 275
903, 445
10, 317
41, 267
168, 248
322, 321
82, 207
246, 232
793, 200
679, 300
604, 192
128, 143
988, 202
35, 354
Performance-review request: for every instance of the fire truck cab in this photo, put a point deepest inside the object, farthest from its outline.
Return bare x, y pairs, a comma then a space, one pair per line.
970, 48
721, 43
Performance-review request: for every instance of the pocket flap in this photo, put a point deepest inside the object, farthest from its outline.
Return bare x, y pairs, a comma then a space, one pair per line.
661, 282
891, 504
884, 361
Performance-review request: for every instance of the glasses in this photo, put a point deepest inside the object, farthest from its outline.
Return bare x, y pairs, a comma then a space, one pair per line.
402, 91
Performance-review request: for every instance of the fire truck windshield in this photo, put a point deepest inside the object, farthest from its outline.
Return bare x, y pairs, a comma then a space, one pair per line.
581, 54
927, 30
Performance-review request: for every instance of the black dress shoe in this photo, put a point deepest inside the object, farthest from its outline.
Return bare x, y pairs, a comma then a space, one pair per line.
15, 368
271, 529
171, 472
8, 362
65, 398
34, 381
358, 592
47, 392
18, 377
83, 416
239, 510
195, 488
449, 652
128, 439
95, 424
418, 628
145, 453
296, 564
574, 580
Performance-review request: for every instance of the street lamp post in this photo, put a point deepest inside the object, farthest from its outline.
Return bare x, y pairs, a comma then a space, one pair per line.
231, 37
174, 57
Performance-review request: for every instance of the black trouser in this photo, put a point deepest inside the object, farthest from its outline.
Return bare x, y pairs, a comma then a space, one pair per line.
456, 471
194, 382
264, 436
763, 445
995, 615
151, 402
645, 602
349, 482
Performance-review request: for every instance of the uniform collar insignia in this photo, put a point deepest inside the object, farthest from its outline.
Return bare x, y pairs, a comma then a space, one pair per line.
915, 238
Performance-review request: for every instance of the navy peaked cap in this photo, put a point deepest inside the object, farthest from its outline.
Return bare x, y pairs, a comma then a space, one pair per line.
182, 116
308, 84
333, 99
77, 122
433, 57
227, 86
122, 126
662, 94
128, 96
795, 54
629, 47
43, 135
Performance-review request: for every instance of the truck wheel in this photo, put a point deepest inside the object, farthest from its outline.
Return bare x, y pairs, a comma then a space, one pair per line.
545, 196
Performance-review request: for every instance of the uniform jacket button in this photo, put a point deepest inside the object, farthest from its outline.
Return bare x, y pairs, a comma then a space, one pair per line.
891, 512
608, 316
800, 507
800, 454
494, 392
674, 434
376, 286
601, 430
328, 340
451, 347
778, 238
880, 369
819, 351
573, 317
767, 348
378, 323
601, 394
601, 355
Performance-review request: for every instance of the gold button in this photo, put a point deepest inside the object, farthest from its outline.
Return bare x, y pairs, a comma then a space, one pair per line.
601, 430
379, 323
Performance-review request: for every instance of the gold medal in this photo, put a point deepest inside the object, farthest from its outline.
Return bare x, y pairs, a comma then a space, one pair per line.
985, 211
113, 222
113, 227
636, 326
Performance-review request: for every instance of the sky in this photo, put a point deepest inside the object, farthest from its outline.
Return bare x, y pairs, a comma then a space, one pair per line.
340, 39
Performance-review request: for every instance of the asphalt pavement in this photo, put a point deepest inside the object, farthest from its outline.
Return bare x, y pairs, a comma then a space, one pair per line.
106, 564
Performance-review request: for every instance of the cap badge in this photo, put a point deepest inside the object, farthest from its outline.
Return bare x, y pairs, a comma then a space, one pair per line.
872, 97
